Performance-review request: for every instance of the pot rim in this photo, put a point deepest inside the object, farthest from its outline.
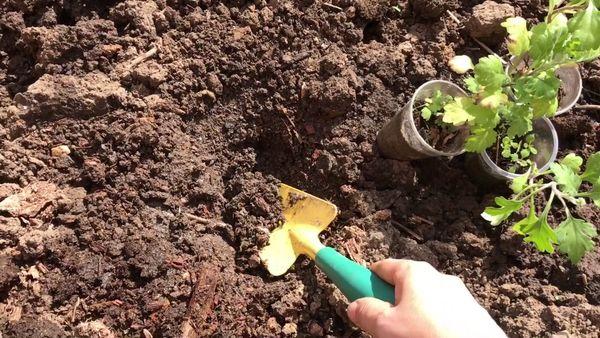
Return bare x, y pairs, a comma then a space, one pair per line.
411, 103
486, 158
574, 68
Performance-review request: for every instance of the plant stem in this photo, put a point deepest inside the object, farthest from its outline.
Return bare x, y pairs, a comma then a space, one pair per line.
543, 187
583, 194
549, 203
560, 196
564, 9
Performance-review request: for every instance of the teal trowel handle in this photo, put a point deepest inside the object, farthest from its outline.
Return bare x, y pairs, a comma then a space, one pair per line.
354, 280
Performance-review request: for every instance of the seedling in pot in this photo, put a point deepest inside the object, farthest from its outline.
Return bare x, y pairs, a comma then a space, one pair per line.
566, 183
502, 106
437, 133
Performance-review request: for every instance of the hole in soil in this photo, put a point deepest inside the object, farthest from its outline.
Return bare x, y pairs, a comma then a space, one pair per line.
64, 17
372, 31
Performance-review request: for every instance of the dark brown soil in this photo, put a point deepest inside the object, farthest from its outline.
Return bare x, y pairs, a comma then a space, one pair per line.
150, 223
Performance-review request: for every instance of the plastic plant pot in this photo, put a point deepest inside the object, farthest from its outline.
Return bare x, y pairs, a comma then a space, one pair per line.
400, 139
546, 143
571, 85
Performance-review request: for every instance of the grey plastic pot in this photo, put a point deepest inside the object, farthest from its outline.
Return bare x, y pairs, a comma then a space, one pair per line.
546, 143
571, 85
400, 139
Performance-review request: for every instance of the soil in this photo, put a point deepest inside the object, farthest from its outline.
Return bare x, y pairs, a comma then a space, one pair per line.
439, 137
176, 119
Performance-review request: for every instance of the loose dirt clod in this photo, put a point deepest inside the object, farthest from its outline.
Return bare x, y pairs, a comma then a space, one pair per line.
66, 95
428, 8
486, 19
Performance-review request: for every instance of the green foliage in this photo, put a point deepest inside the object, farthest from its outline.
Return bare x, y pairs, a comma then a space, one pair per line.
434, 104
537, 231
503, 104
495, 215
518, 36
574, 162
518, 151
592, 171
566, 178
489, 73
573, 236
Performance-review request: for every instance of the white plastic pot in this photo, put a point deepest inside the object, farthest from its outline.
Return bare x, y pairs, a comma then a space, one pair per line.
571, 84
400, 138
546, 143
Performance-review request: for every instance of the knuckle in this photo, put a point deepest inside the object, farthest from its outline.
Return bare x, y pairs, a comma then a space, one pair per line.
381, 318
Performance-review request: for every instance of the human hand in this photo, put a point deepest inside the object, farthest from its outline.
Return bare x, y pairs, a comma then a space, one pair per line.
428, 304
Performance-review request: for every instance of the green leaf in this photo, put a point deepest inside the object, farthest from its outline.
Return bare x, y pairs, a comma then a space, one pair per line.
540, 233
472, 85
519, 183
584, 27
520, 122
567, 179
456, 112
495, 215
489, 73
595, 194
494, 100
548, 40
592, 169
544, 107
544, 86
572, 161
518, 36
480, 139
526, 222
575, 238
426, 113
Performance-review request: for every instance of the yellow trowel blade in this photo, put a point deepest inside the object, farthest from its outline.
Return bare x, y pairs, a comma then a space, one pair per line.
305, 217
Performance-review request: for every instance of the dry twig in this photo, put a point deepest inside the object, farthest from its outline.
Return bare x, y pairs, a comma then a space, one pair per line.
409, 231
333, 6
588, 106
143, 57
202, 220
73, 312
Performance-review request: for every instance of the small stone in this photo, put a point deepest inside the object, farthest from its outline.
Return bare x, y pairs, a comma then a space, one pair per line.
60, 151
214, 84
33, 272
290, 329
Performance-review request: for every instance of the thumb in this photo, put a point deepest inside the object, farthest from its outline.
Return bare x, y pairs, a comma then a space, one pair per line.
366, 313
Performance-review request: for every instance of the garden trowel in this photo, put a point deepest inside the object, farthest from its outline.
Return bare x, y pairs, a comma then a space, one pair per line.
305, 217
